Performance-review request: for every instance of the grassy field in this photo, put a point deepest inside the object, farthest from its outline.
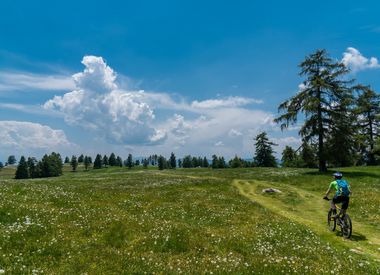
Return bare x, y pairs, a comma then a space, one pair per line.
115, 221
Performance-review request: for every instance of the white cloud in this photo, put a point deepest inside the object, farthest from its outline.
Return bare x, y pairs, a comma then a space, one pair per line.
353, 59
219, 143
232, 101
21, 137
234, 133
97, 103
12, 81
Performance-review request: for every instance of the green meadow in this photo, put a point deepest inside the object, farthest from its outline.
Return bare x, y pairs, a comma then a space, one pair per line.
121, 221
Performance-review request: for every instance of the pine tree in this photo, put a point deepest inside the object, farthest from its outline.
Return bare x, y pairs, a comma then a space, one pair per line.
289, 157
74, 163
32, 167
105, 161
98, 162
264, 152
173, 162
86, 162
179, 163
309, 155
81, 159
22, 169
11, 160
67, 160
119, 161
215, 162
161, 162
186, 162
324, 87
112, 160
368, 111
205, 163
145, 163
129, 162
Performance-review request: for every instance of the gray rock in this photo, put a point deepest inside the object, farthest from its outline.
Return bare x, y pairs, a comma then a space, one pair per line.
271, 190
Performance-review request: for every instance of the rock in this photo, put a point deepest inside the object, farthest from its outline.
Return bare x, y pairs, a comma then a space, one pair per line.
271, 190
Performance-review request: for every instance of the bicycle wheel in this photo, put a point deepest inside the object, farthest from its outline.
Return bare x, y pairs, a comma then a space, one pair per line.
331, 222
346, 227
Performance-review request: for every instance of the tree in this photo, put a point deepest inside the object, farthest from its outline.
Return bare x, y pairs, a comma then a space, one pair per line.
32, 167
12, 160
22, 169
119, 161
186, 162
264, 152
172, 160
98, 162
145, 163
324, 87
67, 160
179, 163
308, 155
86, 162
289, 157
137, 162
129, 162
105, 161
236, 162
368, 111
1, 165
74, 163
50, 165
205, 163
112, 160
81, 159
215, 162
161, 163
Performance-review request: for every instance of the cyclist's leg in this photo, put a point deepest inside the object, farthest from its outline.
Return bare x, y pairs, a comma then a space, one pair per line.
345, 202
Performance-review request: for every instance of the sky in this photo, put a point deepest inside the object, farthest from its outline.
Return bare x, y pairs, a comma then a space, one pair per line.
155, 77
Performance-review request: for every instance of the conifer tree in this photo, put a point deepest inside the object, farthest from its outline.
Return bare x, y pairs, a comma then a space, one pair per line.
67, 160
81, 159
205, 163
215, 162
112, 160
129, 162
86, 162
22, 169
172, 160
119, 161
98, 162
324, 87
74, 163
264, 152
161, 162
105, 161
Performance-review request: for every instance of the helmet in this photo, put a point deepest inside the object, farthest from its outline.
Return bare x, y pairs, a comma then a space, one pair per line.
338, 174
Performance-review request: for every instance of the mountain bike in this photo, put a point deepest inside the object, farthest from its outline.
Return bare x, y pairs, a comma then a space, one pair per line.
344, 221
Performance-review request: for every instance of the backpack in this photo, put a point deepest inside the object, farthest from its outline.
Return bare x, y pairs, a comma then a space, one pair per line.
343, 188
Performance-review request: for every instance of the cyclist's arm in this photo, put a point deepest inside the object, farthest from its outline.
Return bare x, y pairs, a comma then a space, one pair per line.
328, 191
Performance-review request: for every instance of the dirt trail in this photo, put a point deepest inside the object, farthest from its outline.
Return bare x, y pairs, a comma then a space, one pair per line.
310, 210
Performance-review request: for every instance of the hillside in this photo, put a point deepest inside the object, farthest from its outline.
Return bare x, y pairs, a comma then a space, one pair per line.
115, 220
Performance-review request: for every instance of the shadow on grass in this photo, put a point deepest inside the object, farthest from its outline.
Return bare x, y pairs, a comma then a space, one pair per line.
356, 237
346, 174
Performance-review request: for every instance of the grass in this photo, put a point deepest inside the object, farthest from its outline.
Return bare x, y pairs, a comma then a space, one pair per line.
115, 221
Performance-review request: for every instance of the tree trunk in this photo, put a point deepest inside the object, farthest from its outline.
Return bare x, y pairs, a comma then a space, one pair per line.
321, 155
371, 157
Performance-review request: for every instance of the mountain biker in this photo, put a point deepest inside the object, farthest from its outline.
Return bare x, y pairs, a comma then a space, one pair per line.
342, 193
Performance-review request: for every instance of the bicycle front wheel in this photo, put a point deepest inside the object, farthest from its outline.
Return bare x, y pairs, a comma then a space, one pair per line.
331, 222
346, 227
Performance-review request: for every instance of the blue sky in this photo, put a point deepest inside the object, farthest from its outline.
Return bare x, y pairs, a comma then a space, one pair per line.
207, 59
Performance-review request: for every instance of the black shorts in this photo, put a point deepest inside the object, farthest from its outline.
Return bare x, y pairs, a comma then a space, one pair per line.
342, 199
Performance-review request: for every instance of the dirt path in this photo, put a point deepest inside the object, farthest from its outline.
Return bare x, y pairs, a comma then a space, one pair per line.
309, 209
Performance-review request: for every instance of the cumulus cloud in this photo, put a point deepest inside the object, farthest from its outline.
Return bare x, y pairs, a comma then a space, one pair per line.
353, 59
232, 101
97, 103
234, 133
12, 81
27, 137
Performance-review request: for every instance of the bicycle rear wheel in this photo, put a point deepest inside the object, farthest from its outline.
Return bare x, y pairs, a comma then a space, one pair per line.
346, 227
331, 222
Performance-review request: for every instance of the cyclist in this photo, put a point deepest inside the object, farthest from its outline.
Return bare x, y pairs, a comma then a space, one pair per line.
342, 193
